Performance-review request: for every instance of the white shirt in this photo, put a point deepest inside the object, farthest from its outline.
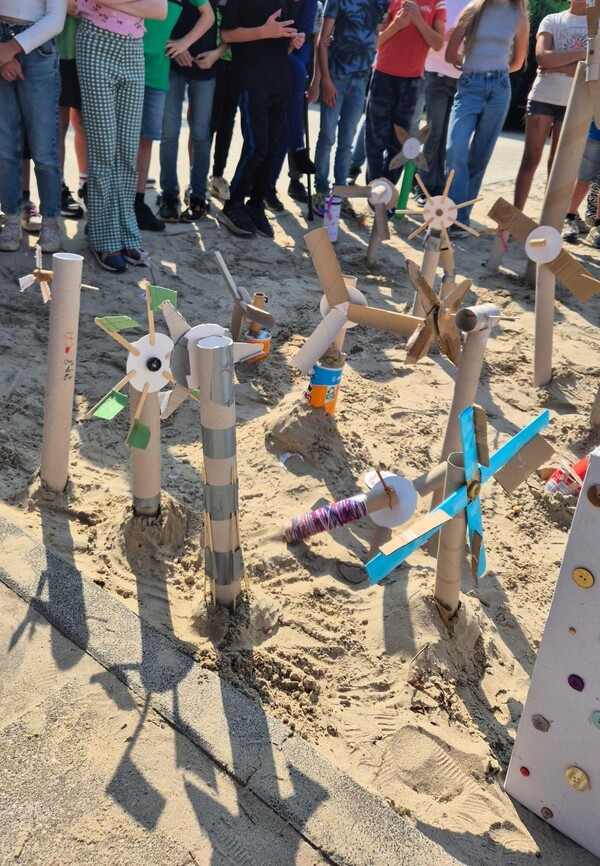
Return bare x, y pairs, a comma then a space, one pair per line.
436, 60
569, 33
48, 17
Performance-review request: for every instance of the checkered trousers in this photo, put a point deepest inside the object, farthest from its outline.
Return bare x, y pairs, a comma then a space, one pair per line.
111, 74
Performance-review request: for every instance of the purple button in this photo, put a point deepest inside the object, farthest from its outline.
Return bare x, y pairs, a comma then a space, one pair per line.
576, 683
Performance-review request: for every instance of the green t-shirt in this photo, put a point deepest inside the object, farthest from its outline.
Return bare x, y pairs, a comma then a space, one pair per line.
65, 41
157, 35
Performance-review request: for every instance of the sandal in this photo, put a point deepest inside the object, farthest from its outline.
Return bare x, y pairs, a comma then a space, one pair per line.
113, 262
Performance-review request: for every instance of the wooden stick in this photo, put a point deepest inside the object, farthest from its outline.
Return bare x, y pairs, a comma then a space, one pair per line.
423, 187
121, 340
116, 387
448, 185
169, 377
467, 203
150, 312
420, 229
538, 242
466, 228
140, 405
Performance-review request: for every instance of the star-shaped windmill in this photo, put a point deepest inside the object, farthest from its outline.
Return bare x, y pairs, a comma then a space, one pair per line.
438, 323
439, 211
411, 147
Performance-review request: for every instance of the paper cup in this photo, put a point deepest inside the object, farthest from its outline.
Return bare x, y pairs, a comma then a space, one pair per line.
324, 387
331, 218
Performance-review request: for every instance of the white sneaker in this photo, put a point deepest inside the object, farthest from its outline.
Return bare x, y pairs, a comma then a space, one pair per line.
571, 229
10, 237
219, 187
50, 236
31, 220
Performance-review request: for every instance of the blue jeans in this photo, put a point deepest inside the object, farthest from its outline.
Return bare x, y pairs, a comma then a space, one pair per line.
439, 98
343, 118
292, 137
30, 107
200, 95
392, 101
478, 114
359, 154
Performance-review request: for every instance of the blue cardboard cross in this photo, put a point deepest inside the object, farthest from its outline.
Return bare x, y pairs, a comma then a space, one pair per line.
465, 498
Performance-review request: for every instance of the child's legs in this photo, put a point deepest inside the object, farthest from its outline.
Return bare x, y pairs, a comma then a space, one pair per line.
326, 139
407, 96
439, 98
537, 127
497, 102
224, 122
352, 109
152, 119
264, 170
379, 122
464, 117
11, 143
588, 171
171, 127
254, 110
129, 105
200, 95
97, 55
295, 103
38, 101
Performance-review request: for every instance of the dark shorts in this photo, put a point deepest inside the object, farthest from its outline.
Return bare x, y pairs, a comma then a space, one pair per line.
557, 112
70, 94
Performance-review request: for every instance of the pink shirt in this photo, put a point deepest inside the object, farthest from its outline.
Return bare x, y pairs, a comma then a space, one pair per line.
109, 19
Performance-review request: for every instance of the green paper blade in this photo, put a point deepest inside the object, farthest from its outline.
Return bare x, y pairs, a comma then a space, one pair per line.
114, 324
109, 408
139, 436
158, 295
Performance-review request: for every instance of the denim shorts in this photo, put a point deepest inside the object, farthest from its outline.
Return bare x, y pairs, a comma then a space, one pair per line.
590, 162
152, 114
546, 109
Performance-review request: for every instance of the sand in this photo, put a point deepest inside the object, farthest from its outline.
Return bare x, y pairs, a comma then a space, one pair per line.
371, 676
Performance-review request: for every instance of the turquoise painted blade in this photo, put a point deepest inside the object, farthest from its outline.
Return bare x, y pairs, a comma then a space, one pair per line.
382, 564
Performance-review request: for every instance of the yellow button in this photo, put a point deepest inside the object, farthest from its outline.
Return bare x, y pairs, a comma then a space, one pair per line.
577, 778
583, 578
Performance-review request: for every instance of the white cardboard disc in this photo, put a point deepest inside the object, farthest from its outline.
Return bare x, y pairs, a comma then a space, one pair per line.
411, 148
407, 502
382, 191
542, 255
441, 213
356, 297
144, 375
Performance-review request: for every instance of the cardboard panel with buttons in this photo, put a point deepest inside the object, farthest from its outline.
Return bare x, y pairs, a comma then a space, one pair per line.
555, 764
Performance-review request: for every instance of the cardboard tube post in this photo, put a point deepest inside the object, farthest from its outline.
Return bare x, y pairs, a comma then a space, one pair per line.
451, 544
62, 358
449, 278
211, 371
545, 290
477, 322
595, 413
431, 257
145, 463
497, 252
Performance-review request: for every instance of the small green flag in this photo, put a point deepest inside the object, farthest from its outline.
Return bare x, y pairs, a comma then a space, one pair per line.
158, 295
109, 408
139, 436
114, 324
195, 394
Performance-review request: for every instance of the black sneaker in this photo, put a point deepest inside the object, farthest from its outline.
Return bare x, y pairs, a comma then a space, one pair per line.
259, 218
198, 208
273, 202
68, 206
297, 191
303, 162
169, 208
235, 216
353, 174
146, 220
82, 194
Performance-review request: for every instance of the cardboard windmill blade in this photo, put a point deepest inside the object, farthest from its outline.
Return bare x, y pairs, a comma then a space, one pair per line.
247, 309
39, 275
382, 195
508, 465
410, 157
439, 323
543, 245
554, 769
342, 310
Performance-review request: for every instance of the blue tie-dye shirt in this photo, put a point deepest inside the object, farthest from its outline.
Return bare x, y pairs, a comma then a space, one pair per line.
354, 34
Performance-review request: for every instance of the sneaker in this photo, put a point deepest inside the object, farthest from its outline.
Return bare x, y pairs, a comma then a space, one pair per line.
150, 183
187, 194
10, 239
353, 174
219, 187
113, 262
457, 232
347, 211
297, 191
68, 206
197, 210
50, 237
146, 220
273, 202
571, 229
419, 197
259, 218
320, 202
593, 237
135, 256
82, 195
303, 162
31, 221
591, 207
235, 216
169, 208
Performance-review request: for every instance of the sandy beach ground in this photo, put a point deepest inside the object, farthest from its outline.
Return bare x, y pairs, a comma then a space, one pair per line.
368, 674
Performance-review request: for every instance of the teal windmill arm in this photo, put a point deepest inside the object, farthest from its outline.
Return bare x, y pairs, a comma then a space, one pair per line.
473, 510
511, 448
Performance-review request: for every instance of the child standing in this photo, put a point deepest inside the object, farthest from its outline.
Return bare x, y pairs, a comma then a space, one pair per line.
110, 61
495, 34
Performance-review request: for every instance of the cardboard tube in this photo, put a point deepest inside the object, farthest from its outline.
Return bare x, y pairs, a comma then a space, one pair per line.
145, 463
431, 257
60, 380
259, 300
545, 288
478, 322
449, 278
430, 481
451, 544
595, 413
496, 253
567, 158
